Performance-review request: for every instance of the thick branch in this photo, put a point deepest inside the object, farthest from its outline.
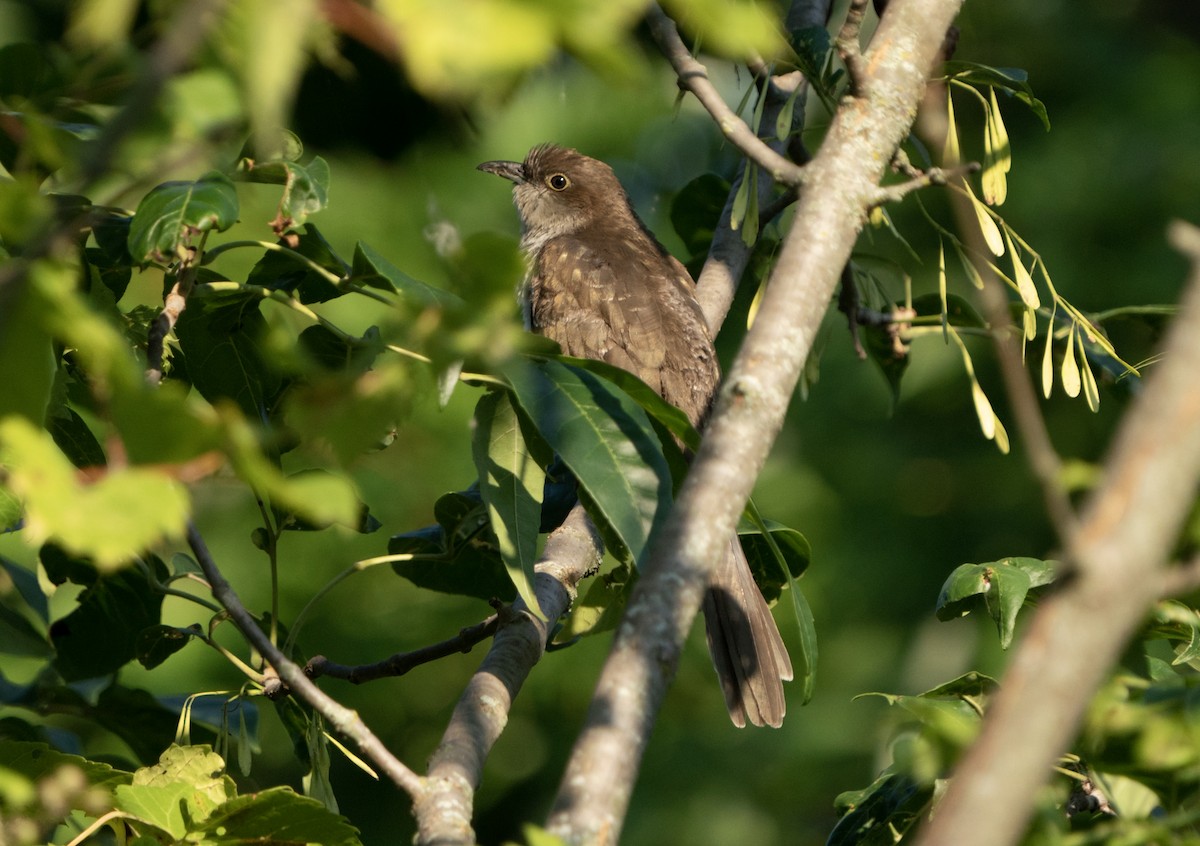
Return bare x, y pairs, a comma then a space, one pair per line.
443, 813
1123, 542
838, 186
341, 718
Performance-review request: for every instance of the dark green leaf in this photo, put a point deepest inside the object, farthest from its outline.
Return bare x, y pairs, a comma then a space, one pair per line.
172, 214
459, 555
1013, 80
697, 208
222, 340
280, 271
75, 439
100, 636
796, 553
141, 720
26, 584
156, 644
61, 566
338, 352
372, 269
812, 46
19, 637
511, 483
870, 816
606, 440
967, 686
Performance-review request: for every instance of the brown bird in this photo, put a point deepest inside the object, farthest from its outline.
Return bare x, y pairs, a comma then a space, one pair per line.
603, 287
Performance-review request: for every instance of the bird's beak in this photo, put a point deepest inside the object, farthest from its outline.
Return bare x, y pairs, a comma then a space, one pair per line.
512, 171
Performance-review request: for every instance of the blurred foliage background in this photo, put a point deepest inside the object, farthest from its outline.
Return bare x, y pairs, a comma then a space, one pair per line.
892, 499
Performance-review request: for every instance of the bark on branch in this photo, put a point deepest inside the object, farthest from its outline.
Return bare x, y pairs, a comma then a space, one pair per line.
1117, 560
839, 185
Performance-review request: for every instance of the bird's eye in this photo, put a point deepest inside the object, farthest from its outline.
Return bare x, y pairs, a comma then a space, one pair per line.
558, 181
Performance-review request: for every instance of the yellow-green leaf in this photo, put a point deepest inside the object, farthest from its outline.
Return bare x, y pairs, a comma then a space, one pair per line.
1025, 286
111, 521
987, 226
1070, 368
1091, 392
1048, 357
950, 151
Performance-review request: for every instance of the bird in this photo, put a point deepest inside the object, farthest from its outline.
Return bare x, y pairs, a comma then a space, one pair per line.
603, 287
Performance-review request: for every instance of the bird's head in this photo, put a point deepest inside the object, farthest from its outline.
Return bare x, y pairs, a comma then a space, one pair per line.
559, 191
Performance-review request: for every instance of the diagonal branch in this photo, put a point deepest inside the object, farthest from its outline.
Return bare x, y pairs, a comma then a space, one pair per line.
693, 77
839, 184
443, 811
341, 718
1118, 562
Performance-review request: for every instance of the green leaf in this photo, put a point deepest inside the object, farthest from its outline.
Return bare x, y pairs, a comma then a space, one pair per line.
223, 341
275, 815
27, 588
101, 635
1012, 80
372, 269
606, 440
155, 644
999, 587
601, 606
34, 761
794, 546
281, 271
75, 439
112, 520
870, 816
459, 555
316, 499
19, 637
697, 208
674, 420
172, 214
305, 188
511, 484
182, 790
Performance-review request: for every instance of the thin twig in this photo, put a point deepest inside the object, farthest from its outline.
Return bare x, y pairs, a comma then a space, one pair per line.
402, 662
693, 77
923, 179
344, 720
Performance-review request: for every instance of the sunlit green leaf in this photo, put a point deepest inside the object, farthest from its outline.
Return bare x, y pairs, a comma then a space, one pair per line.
174, 213
112, 520
511, 484
607, 442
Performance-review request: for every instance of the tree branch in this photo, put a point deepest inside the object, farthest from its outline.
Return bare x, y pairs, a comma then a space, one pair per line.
341, 718
1117, 561
693, 77
572, 552
838, 186
402, 662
